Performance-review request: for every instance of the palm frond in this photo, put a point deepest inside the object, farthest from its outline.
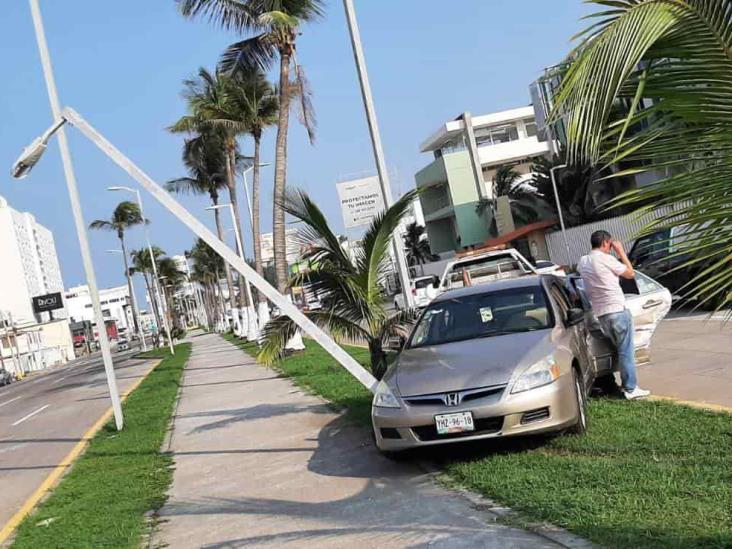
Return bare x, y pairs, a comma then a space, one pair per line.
258, 51
306, 112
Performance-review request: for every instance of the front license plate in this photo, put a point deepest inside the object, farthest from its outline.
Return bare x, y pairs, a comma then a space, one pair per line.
454, 423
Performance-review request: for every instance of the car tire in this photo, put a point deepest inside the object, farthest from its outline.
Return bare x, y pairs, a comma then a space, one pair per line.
580, 396
607, 385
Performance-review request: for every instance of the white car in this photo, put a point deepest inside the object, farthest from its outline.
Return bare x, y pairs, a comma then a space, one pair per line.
123, 344
475, 268
424, 290
649, 306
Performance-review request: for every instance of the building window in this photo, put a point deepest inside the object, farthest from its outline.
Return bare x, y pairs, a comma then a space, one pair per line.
530, 126
88, 306
496, 135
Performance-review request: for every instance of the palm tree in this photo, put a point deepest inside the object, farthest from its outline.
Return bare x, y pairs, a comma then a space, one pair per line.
172, 281
669, 63
207, 268
417, 246
275, 27
213, 100
142, 264
125, 215
355, 309
259, 98
205, 161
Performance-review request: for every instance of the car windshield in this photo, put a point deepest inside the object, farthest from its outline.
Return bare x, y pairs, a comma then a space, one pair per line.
482, 315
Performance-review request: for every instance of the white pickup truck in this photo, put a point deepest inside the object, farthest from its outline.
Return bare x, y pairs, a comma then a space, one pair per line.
482, 267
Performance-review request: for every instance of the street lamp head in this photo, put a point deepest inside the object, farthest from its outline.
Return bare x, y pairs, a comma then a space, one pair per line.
29, 158
120, 188
33, 152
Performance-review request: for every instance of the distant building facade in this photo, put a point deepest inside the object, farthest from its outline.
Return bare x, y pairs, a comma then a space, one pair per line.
28, 264
115, 302
467, 152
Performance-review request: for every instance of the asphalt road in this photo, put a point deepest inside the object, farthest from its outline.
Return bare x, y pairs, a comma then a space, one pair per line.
44, 416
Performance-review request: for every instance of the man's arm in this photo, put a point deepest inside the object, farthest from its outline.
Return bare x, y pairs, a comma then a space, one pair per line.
617, 246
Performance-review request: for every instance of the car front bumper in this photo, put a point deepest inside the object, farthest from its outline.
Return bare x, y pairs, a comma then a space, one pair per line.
542, 410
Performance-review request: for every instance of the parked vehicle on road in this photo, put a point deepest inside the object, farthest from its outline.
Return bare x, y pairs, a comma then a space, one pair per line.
123, 344
424, 290
6, 378
483, 267
500, 359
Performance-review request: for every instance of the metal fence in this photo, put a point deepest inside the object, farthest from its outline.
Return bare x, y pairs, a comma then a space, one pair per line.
623, 228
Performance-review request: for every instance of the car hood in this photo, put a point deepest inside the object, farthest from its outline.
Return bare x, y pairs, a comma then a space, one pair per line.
468, 364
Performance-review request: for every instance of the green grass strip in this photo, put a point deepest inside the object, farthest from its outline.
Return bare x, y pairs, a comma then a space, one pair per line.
103, 500
647, 474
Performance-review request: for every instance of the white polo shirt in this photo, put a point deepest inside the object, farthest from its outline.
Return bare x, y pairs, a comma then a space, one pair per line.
600, 273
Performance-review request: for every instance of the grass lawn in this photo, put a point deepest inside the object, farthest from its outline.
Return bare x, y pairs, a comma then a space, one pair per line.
103, 500
647, 474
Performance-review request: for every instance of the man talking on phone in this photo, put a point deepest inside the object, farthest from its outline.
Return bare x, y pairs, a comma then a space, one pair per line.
600, 272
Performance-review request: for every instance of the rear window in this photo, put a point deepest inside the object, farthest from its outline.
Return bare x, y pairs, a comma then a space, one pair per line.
482, 315
482, 271
419, 284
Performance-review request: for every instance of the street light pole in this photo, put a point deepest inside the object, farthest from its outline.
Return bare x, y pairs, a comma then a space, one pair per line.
133, 302
559, 209
156, 280
368, 101
77, 214
252, 330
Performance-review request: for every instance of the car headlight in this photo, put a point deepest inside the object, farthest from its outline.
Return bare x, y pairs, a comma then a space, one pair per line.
384, 398
542, 373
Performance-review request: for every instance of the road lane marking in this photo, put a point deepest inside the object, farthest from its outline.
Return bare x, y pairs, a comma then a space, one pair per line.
54, 476
21, 420
9, 401
59, 380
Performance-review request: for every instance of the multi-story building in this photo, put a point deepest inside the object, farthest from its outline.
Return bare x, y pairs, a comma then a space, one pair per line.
29, 264
467, 152
115, 304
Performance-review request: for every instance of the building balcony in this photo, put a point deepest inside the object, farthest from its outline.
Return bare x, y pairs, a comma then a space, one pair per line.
512, 151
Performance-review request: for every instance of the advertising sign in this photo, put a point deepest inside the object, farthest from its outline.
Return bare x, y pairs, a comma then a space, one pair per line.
361, 200
48, 302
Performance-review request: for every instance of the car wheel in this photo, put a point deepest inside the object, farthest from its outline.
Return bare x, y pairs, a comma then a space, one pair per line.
580, 427
607, 385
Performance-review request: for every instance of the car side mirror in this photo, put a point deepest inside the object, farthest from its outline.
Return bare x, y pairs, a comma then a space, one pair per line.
435, 282
575, 316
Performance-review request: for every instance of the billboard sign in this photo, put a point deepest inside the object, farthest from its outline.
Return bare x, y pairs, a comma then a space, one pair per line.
361, 200
48, 302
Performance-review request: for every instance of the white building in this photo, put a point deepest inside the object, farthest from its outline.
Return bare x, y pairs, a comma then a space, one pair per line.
294, 246
29, 265
466, 152
115, 304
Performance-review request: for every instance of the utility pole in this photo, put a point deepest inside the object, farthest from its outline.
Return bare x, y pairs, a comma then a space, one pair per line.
368, 101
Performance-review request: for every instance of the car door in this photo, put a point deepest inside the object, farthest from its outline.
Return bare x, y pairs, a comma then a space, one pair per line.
577, 332
648, 308
598, 347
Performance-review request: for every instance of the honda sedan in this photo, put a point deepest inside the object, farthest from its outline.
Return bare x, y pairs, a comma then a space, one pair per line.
501, 359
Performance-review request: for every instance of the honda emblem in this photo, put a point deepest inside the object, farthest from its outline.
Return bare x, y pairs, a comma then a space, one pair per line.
452, 399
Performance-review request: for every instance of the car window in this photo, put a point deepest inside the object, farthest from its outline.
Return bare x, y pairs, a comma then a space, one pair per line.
560, 299
420, 284
651, 247
482, 315
646, 285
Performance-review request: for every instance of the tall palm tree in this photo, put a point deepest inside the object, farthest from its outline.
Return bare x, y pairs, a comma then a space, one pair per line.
669, 63
142, 264
205, 160
172, 281
275, 26
125, 215
213, 105
417, 246
259, 99
207, 268
352, 289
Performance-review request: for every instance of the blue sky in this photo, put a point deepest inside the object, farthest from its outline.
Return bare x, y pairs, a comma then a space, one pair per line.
120, 64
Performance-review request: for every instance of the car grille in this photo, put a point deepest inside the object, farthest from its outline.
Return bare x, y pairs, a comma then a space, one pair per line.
534, 415
440, 399
483, 426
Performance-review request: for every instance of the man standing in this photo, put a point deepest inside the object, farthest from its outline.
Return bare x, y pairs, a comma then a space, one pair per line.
600, 273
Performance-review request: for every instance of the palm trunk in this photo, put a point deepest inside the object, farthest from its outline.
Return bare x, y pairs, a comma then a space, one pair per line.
280, 181
151, 297
227, 270
231, 184
256, 230
378, 358
129, 285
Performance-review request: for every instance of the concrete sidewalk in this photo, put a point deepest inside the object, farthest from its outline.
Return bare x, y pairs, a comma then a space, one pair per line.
260, 463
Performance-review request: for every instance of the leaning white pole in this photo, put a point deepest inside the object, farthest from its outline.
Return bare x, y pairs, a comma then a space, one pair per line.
77, 213
368, 103
198, 228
